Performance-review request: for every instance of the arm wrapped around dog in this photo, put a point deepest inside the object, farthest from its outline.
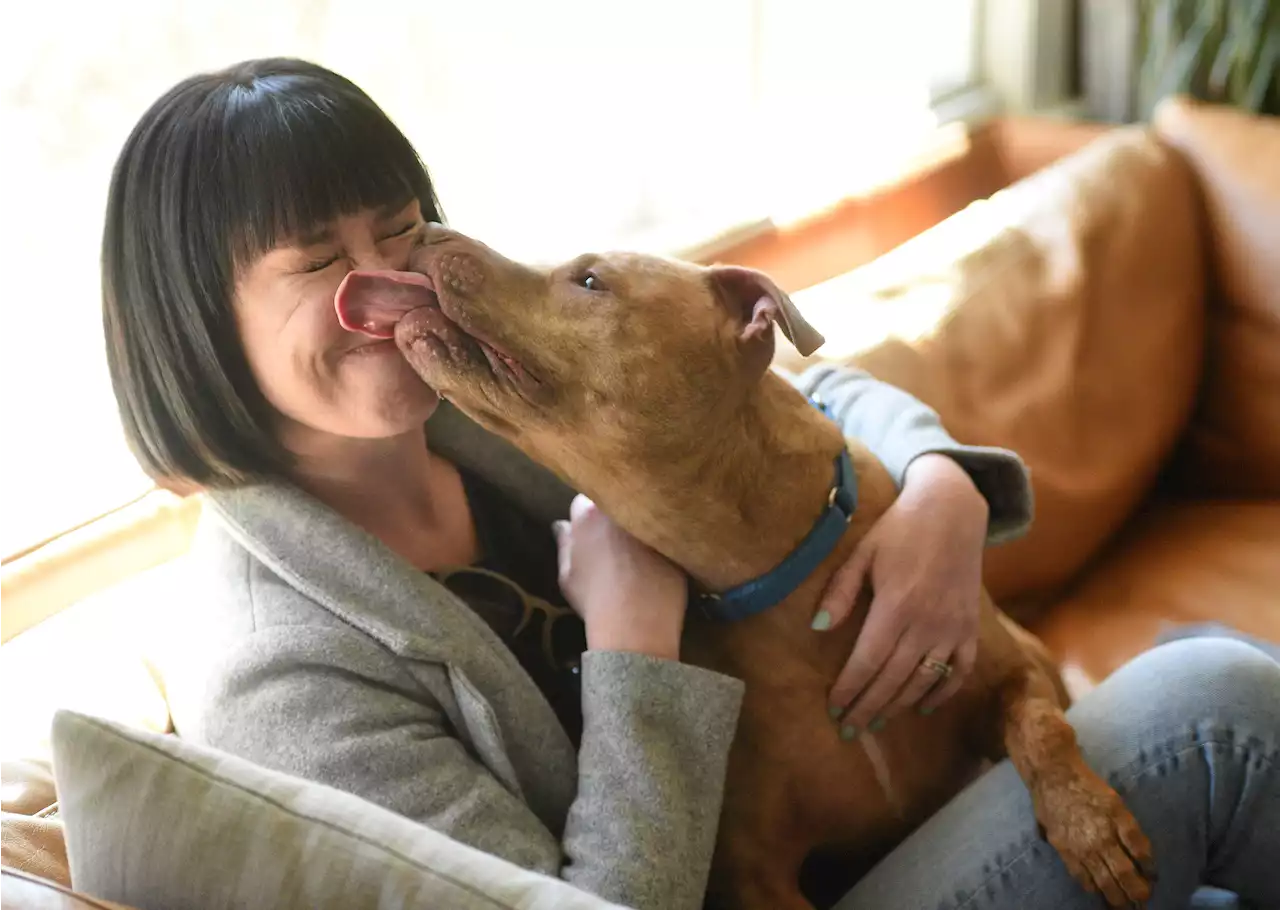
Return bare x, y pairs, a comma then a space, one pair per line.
898, 428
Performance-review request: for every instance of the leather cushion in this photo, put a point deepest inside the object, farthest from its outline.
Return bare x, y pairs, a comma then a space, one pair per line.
28, 786
36, 846
1062, 319
1179, 563
1233, 447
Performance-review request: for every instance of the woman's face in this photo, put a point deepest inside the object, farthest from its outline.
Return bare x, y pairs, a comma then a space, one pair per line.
317, 375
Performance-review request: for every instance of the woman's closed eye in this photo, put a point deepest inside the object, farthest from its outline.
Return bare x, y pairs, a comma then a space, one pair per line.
404, 231
318, 265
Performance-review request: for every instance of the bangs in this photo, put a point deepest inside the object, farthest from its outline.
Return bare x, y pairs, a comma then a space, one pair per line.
293, 156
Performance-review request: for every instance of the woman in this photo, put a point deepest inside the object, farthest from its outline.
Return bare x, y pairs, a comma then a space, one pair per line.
382, 613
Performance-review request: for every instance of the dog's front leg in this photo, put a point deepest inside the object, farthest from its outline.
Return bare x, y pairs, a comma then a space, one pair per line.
1083, 818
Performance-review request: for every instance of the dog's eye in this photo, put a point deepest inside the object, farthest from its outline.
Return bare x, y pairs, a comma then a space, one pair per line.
591, 282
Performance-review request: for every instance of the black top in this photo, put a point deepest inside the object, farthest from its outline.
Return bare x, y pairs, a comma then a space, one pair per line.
514, 587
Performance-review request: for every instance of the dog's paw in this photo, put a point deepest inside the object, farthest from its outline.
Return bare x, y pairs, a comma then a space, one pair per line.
1098, 838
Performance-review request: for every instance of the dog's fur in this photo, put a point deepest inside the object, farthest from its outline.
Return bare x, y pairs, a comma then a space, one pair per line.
651, 393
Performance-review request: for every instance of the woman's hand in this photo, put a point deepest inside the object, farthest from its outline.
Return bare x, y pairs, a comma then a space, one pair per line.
630, 597
923, 559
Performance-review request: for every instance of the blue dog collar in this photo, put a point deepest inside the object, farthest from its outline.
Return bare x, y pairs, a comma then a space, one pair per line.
773, 587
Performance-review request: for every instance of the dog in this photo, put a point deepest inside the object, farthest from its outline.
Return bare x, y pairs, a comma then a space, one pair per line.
646, 383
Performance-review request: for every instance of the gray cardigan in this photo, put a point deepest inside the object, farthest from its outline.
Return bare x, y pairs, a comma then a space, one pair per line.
315, 650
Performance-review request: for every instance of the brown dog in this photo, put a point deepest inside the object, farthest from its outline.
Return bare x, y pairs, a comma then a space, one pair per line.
645, 384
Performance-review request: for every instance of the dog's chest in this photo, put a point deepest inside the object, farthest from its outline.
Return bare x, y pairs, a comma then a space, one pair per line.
917, 764
864, 794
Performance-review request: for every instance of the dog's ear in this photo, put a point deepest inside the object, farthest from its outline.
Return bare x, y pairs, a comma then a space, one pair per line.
758, 303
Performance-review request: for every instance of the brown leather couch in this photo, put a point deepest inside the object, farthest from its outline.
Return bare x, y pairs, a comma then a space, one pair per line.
1204, 543
32, 849
1114, 318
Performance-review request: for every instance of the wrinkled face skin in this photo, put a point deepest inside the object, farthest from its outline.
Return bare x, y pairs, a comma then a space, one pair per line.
319, 377
623, 349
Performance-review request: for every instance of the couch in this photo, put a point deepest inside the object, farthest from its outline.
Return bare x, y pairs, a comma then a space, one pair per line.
1114, 318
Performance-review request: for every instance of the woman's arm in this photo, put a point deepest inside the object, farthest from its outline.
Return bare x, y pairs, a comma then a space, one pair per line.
333, 706
648, 719
898, 428
651, 771
922, 557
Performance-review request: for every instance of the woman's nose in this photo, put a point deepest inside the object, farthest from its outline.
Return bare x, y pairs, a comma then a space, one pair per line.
374, 261
435, 232
373, 257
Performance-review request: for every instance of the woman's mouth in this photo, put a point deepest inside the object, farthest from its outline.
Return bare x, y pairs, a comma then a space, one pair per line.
388, 304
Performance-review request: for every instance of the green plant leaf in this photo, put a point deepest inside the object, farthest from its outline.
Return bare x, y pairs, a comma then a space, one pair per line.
1227, 51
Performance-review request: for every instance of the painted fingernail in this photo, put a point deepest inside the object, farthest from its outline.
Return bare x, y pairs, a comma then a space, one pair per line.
876, 725
821, 622
926, 710
848, 733
834, 712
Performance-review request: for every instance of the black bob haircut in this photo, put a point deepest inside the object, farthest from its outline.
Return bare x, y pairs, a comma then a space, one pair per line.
217, 172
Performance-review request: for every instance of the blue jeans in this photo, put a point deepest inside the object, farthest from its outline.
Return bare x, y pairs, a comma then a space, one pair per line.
1187, 733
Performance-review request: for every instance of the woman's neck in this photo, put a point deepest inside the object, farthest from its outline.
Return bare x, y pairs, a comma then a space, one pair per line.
394, 488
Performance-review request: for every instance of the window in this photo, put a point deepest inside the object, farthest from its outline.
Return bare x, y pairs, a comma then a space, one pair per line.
549, 128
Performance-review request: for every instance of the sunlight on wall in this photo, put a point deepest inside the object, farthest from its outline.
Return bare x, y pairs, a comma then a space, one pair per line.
103, 648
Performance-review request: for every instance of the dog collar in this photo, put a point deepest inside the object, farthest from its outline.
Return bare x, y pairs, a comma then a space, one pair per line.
776, 585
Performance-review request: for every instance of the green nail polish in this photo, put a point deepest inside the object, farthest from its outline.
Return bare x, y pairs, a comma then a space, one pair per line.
821, 622
876, 725
834, 712
848, 732
926, 711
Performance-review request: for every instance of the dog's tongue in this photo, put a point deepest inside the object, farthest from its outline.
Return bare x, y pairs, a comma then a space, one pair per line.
373, 302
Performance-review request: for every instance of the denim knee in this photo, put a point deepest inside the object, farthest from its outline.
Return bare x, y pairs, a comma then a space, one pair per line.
1217, 680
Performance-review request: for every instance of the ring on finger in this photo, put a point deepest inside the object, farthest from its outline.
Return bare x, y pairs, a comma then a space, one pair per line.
929, 664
